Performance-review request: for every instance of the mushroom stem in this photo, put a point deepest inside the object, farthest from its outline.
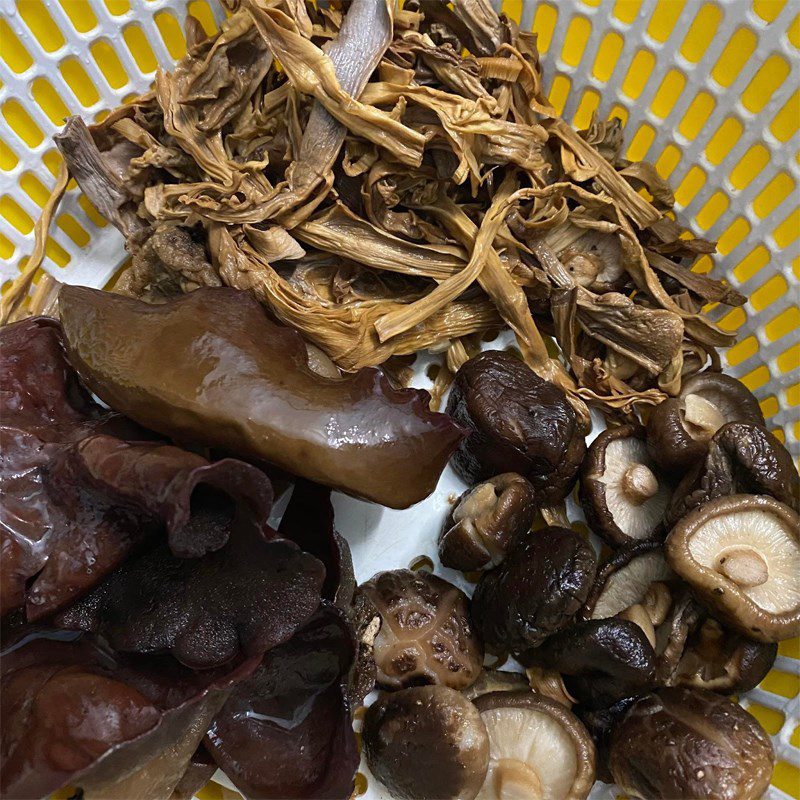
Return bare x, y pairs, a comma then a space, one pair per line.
744, 566
639, 484
657, 602
515, 780
638, 614
702, 417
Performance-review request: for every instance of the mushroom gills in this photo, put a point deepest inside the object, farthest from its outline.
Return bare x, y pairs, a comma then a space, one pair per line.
531, 756
756, 550
629, 585
635, 497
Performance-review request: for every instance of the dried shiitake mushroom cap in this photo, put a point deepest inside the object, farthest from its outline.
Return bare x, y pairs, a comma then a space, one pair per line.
690, 743
427, 742
537, 749
485, 522
425, 634
741, 555
680, 428
621, 491
627, 578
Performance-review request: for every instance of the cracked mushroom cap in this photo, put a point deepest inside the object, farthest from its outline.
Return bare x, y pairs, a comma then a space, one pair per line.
486, 521
690, 743
425, 634
537, 749
741, 555
621, 490
680, 428
426, 743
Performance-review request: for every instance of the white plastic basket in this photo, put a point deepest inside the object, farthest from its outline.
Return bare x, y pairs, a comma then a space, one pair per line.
708, 90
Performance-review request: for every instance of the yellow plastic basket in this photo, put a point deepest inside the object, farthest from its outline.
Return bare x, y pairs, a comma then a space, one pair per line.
709, 91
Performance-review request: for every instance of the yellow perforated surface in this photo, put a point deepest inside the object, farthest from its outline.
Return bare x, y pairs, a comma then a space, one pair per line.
708, 92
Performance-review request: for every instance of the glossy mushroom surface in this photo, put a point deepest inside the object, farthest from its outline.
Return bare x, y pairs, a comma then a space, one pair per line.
621, 490
240, 383
426, 635
426, 743
537, 749
486, 521
518, 422
741, 556
680, 428
690, 743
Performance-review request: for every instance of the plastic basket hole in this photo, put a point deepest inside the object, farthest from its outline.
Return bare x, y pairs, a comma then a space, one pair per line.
714, 208
665, 17
786, 778
641, 142
736, 54
701, 32
7, 248
109, 64
773, 194
140, 49
789, 230
791, 647
794, 739
21, 123
755, 380
361, 784
753, 262
559, 92
421, 563
796, 267
668, 93
694, 181
8, 158
80, 83
703, 265
118, 7
787, 120
56, 253
201, 11
750, 164
770, 719
171, 34
733, 236
575, 40
793, 34
789, 359
741, 351
586, 109
783, 683
619, 112
626, 11
41, 24
768, 293
14, 215
49, 101
668, 160
13, 52
73, 229
33, 187
638, 74
94, 215
773, 72
607, 56
723, 140
768, 10
697, 115
80, 14
544, 23
769, 407
433, 371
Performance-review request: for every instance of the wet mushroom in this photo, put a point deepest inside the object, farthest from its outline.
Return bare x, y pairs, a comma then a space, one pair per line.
494, 680
425, 635
549, 683
537, 749
426, 743
519, 423
680, 428
742, 459
741, 556
536, 591
690, 743
486, 521
600, 723
601, 661
621, 491
723, 662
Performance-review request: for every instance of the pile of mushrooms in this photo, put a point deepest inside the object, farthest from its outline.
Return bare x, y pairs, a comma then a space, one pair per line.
627, 658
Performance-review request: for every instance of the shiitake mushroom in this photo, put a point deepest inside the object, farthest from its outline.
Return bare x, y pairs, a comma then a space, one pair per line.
518, 422
680, 742
425, 635
426, 743
535, 592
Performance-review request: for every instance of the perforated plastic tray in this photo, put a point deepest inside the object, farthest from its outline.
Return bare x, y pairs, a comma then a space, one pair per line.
708, 92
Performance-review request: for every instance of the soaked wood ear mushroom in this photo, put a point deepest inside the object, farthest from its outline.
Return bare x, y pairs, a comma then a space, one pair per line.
486, 521
621, 490
537, 749
240, 383
690, 743
426, 635
426, 743
519, 423
741, 556
680, 428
